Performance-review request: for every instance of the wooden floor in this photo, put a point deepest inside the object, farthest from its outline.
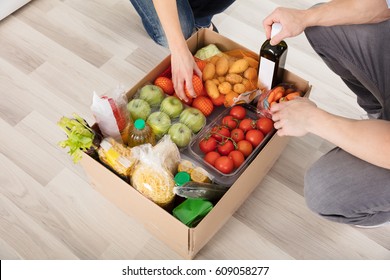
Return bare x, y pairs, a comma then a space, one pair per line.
54, 54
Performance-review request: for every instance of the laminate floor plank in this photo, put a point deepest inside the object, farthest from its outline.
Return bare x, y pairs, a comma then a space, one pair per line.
55, 53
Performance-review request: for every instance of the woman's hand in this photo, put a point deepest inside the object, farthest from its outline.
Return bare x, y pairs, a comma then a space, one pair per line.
183, 68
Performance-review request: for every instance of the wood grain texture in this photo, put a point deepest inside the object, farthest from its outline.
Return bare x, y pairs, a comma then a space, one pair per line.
54, 54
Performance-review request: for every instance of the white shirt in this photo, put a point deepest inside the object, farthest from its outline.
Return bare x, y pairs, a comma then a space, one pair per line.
388, 3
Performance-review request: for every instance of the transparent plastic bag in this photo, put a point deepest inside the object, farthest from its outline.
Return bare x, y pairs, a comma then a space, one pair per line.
111, 114
151, 178
280, 93
236, 76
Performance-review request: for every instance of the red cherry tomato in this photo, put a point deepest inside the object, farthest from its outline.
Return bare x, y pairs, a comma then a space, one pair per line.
238, 112
245, 147
220, 132
255, 137
225, 147
265, 125
229, 122
247, 124
237, 157
211, 157
208, 144
224, 164
237, 134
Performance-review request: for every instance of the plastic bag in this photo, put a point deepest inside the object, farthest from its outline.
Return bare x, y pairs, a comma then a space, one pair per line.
192, 211
151, 178
280, 93
117, 157
168, 152
208, 191
234, 74
111, 114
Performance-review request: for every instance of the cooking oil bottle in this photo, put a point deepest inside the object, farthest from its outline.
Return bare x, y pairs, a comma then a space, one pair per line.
272, 61
141, 133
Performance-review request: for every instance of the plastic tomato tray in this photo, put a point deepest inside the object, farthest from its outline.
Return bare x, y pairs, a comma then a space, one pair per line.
197, 154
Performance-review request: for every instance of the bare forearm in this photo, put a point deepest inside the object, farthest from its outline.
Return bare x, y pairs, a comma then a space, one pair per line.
340, 12
365, 139
168, 15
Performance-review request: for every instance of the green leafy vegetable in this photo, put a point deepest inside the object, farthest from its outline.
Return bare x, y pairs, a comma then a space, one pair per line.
207, 52
80, 136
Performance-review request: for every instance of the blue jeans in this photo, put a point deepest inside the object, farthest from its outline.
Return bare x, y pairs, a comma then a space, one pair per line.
193, 15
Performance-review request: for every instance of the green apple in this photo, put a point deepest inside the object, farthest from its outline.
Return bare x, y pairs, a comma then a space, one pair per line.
160, 122
180, 134
152, 94
139, 109
172, 106
193, 118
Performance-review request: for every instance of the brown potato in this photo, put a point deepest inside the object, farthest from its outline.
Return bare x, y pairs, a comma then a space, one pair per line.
211, 89
252, 62
250, 73
216, 81
239, 88
239, 66
233, 78
208, 72
222, 66
221, 79
225, 87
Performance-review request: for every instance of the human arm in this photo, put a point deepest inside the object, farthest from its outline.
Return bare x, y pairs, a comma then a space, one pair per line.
182, 61
366, 139
336, 12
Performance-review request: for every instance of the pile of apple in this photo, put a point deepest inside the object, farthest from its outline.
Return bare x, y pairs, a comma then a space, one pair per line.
166, 114
233, 138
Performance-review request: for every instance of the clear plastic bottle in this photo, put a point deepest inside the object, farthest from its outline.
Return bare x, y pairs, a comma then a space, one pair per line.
141, 133
272, 61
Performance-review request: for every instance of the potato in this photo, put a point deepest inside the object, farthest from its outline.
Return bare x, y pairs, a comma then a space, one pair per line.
221, 79
216, 81
252, 62
250, 73
222, 66
215, 58
211, 89
233, 78
239, 66
239, 88
249, 84
225, 87
208, 72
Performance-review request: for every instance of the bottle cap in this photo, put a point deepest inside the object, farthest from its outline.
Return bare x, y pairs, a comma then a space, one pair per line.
275, 29
181, 178
139, 124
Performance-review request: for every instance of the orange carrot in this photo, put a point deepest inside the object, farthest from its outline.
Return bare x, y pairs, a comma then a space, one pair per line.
292, 95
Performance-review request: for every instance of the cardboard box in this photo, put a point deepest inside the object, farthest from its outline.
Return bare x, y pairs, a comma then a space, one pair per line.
184, 240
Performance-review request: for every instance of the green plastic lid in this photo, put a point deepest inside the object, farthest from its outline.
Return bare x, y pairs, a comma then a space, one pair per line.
139, 124
181, 178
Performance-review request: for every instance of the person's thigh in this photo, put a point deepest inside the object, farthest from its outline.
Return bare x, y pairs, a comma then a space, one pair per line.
359, 55
152, 24
204, 10
345, 189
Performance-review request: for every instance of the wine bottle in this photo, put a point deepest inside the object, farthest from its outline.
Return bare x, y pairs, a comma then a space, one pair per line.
272, 60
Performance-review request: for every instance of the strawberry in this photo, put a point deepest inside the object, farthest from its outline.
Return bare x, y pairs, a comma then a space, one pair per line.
197, 84
203, 104
166, 84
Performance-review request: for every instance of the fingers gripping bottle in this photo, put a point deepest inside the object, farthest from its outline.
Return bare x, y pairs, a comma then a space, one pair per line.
272, 61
